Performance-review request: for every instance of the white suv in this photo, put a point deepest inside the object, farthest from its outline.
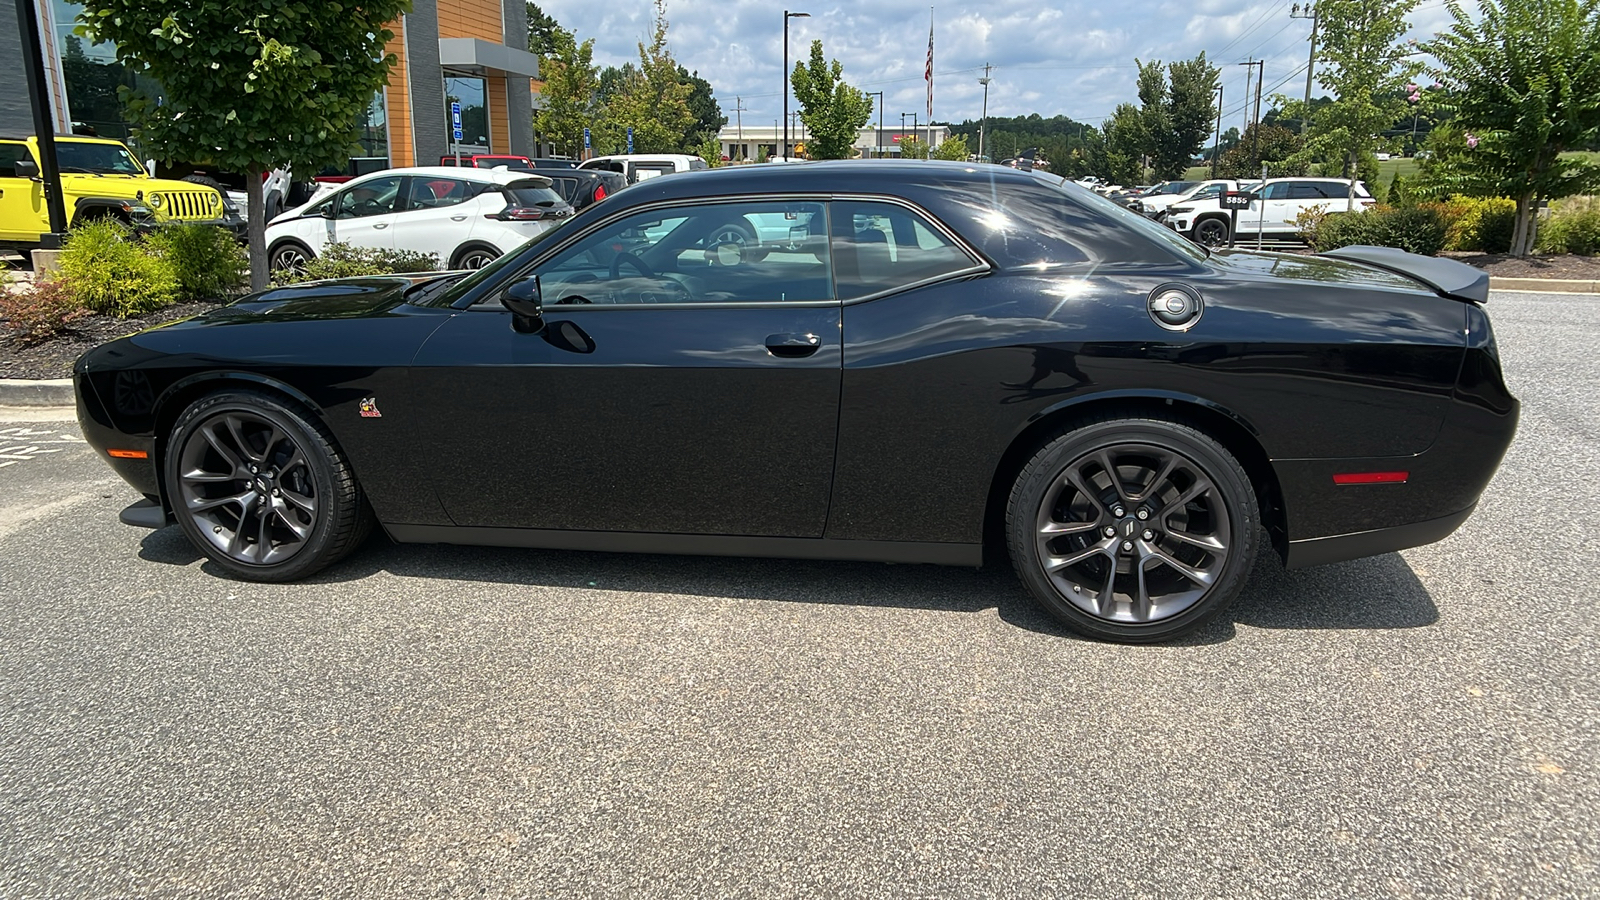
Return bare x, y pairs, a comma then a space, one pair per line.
1278, 203
1156, 204
466, 217
637, 167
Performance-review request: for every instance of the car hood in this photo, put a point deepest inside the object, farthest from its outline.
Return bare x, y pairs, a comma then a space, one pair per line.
343, 298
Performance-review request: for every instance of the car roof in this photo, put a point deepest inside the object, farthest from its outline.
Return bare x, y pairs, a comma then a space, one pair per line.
871, 176
496, 175
647, 157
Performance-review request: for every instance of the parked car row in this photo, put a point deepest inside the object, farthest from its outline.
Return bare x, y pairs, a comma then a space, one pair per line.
1275, 209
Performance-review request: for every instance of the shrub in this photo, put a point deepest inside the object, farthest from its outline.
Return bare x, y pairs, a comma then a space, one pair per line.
207, 262
1478, 224
340, 260
107, 269
40, 311
1573, 227
1417, 229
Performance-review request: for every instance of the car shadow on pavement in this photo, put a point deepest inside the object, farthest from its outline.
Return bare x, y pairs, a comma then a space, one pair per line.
1376, 593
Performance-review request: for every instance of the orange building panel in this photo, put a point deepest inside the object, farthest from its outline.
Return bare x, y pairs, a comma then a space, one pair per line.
471, 19
494, 94
397, 100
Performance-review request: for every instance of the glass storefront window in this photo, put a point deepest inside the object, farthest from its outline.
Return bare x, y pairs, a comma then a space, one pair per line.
474, 112
374, 128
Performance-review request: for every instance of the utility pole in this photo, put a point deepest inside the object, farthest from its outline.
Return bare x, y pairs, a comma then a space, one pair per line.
1255, 136
983, 123
738, 111
44, 127
1216, 149
786, 17
1309, 11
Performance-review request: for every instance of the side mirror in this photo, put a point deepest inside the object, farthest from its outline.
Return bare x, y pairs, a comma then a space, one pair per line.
150, 167
27, 168
328, 211
527, 309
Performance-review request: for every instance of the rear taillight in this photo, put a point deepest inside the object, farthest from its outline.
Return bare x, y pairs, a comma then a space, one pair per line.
518, 214
599, 192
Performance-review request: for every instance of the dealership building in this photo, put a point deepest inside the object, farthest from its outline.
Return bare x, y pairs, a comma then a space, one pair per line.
466, 54
740, 141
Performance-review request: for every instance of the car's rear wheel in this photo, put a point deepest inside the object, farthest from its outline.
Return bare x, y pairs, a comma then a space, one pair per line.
1133, 530
475, 257
261, 489
288, 256
1211, 232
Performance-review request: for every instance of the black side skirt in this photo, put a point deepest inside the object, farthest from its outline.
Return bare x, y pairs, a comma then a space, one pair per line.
693, 544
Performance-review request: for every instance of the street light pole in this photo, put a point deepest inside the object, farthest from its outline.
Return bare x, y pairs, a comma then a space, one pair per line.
877, 149
786, 17
1309, 11
44, 127
983, 123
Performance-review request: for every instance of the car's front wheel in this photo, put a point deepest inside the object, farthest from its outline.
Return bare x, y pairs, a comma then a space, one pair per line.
1133, 530
288, 256
475, 257
261, 489
1211, 232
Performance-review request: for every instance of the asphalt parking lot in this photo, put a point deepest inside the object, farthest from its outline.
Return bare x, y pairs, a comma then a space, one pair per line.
440, 721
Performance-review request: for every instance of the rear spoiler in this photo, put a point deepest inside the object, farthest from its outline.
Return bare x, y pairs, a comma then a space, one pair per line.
1445, 276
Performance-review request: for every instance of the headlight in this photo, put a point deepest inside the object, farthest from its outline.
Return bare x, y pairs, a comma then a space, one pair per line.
155, 201
1180, 209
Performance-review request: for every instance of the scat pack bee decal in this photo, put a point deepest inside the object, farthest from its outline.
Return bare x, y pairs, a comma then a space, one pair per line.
369, 408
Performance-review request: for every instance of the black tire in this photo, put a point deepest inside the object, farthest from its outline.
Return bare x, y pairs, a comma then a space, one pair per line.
240, 467
1211, 231
474, 256
1124, 585
288, 256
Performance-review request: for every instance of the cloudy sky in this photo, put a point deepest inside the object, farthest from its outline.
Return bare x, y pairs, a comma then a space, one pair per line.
1072, 58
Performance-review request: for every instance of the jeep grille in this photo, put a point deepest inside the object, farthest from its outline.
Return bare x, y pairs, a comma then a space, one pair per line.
190, 206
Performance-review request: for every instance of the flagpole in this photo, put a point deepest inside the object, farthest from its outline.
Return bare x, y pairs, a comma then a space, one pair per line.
930, 81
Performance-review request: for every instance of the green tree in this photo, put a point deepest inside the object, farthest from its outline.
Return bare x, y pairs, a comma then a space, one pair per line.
1524, 84
912, 148
650, 100
283, 83
569, 89
708, 117
953, 149
1275, 145
832, 110
1120, 158
544, 32
1364, 64
1175, 116
710, 150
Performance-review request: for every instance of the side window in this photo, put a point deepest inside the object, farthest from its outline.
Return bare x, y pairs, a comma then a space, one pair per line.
11, 152
883, 246
369, 198
753, 252
427, 192
1210, 190
1276, 191
653, 170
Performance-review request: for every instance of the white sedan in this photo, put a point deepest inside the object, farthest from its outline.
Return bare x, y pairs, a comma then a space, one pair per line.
465, 217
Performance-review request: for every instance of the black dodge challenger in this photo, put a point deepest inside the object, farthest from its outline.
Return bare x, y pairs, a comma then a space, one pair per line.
911, 362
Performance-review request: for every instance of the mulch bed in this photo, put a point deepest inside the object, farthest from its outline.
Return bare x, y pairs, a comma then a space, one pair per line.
1566, 266
54, 358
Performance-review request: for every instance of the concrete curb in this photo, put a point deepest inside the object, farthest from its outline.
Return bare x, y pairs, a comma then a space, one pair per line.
1544, 285
29, 392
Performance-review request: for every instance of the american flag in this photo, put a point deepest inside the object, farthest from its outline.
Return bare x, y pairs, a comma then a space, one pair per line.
927, 73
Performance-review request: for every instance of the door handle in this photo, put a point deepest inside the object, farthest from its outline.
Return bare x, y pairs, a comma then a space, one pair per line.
458, 218
793, 345
379, 226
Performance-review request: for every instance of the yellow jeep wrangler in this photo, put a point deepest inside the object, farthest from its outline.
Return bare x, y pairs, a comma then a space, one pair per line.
99, 178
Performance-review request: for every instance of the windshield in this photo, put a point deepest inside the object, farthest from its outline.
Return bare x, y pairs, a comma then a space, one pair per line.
103, 159
528, 197
466, 285
1160, 233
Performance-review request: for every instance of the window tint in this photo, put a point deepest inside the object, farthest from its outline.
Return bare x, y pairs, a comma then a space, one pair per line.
369, 198
755, 252
10, 154
430, 192
1304, 190
1276, 191
529, 196
1210, 190
882, 246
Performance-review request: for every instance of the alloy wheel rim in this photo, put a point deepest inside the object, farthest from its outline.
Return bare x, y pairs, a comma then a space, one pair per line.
247, 487
477, 259
289, 260
1133, 533
1210, 233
